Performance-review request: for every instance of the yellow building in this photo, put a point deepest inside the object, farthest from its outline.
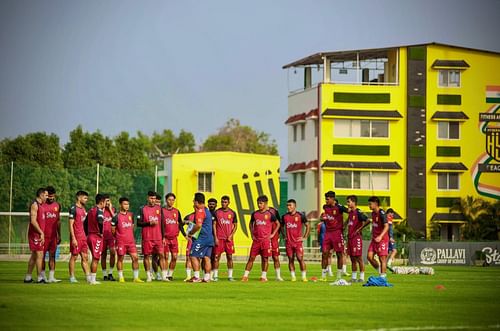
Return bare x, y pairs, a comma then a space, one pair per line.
416, 125
241, 176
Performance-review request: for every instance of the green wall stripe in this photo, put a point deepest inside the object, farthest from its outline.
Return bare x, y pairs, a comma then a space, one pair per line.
417, 101
447, 151
417, 151
362, 97
416, 53
361, 150
445, 202
385, 201
417, 202
449, 99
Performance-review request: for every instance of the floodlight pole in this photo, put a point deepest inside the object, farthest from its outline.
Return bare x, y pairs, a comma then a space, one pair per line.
156, 178
97, 180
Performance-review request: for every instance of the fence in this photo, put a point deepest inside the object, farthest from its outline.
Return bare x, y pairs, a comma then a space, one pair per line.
18, 184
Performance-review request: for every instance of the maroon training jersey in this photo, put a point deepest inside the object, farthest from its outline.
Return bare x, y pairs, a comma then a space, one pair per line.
124, 223
276, 214
106, 225
355, 223
148, 215
40, 217
378, 221
262, 224
52, 215
171, 220
333, 218
78, 214
293, 225
95, 219
224, 222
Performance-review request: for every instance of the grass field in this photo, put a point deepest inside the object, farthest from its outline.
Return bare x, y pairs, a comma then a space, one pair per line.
470, 300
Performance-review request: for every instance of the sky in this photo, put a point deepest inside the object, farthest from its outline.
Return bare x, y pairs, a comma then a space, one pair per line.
130, 65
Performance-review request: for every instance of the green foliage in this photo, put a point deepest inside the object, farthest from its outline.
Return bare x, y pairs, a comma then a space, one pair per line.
32, 149
240, 138
482, 218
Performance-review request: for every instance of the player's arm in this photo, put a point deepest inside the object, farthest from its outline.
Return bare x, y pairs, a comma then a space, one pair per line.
34, 221
386, 228
100, 219
364, 219
59, 225
343, 209
235, 226
162, 223
72, 215
278, 226
214, 229
141, 221
114, 222
251, 224
308, 226
180, 223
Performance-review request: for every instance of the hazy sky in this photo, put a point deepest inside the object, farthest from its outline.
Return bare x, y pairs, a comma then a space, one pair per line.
150, 65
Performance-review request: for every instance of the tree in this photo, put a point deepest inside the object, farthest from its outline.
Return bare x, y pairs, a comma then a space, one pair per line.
164, 143
472, 210
240, 138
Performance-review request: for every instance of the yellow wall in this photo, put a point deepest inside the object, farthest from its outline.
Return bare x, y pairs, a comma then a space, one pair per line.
483, 71
228, 169
396, 140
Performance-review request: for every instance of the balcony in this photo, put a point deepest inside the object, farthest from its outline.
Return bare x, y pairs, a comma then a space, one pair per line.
379, 67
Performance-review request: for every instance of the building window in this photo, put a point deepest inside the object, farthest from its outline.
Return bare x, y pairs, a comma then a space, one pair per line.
295, 181
362, 180
294, 132
448, 130
449, 78
205, 182
303, 131
448, 181
361, 128
302, 180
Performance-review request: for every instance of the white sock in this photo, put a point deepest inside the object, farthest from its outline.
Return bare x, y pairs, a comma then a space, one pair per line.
379, 269
216, 273
339, 273
89, 278
278, 273
292, 273
304, 276
158, 274
230, 273
71, 276
389, 262
120, 273
246, 273
383, 275
136, 273
164, 274
42, 274
211, 274
196, 274
110, 271
51, 274
344, 268
323, 273
170, 272
329, 268
264, 275
362, 275
152, 271
149, 275
40, 277
92, 277
104, 273
188, 273
206, 277
27, 277
354, 274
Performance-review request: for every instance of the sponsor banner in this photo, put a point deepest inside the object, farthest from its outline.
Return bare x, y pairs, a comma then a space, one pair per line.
454, 253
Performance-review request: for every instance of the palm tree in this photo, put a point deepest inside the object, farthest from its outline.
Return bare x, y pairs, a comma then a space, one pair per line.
472, 209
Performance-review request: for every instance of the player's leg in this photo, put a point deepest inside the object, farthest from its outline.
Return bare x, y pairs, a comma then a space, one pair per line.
291, 265
340, 263
208, 264
195, 264
112, 259
275, 249
371, 259
85, 264
172, 265
248, 267
135, 267
265, 266
344, 263
383, 265
229, 258
31, 266
329, 266
71, 268
189, 267
52, 267
361, 264
215, 266
354, 268
119, 267
163, 265
147, 267
104, 256
302, 263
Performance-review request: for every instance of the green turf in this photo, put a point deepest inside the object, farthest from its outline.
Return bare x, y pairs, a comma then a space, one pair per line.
470, 298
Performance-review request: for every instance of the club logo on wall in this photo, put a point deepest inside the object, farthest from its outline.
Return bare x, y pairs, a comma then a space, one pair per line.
489, 160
